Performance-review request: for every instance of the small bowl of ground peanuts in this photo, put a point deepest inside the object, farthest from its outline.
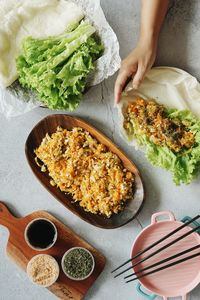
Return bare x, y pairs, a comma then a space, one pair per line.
43, 270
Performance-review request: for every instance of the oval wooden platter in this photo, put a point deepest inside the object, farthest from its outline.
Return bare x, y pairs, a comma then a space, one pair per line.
20, 253
49, 125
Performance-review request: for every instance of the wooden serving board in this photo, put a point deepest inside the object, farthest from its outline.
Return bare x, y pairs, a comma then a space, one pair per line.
19, 251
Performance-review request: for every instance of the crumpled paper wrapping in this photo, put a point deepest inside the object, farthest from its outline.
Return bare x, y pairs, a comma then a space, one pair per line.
16, 101
172, 87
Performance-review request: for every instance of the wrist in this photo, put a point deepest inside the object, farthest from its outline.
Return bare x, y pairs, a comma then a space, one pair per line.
148, 39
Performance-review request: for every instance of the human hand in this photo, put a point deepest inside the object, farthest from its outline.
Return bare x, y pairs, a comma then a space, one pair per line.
135, 65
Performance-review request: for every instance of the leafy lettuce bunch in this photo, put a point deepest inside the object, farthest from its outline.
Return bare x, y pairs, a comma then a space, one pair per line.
56, 68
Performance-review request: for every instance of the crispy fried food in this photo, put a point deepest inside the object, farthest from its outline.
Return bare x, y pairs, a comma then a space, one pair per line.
152, 120
80, 165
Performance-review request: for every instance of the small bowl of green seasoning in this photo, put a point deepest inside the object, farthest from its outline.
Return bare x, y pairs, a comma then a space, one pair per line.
78, 263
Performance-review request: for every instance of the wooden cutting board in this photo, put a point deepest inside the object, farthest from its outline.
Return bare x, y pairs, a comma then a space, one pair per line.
18, 250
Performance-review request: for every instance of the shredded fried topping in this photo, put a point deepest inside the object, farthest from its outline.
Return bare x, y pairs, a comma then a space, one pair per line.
80, 165
152, 120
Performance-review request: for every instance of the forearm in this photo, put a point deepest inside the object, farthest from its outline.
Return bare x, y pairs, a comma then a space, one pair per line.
141, 59
152, 15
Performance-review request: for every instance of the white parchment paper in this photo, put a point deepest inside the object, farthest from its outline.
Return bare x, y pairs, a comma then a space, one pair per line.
15, 100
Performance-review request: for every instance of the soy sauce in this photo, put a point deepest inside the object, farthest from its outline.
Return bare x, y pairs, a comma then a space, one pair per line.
41, 234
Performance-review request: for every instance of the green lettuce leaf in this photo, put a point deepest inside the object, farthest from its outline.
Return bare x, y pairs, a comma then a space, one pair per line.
184, 166
56, 68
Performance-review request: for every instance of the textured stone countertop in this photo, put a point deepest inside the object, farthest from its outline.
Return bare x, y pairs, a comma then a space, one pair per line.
179, 47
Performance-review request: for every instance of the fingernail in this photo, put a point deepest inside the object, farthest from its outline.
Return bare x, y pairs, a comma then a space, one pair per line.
135, 86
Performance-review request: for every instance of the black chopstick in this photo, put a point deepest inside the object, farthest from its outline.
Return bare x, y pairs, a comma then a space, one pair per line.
163, 261
159, 250
157, 242
166, 266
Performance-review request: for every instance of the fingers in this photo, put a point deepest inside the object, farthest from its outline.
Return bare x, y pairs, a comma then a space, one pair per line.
124, 75
139, 76
120, 83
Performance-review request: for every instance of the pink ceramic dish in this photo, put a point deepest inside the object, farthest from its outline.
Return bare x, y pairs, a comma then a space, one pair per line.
175, 281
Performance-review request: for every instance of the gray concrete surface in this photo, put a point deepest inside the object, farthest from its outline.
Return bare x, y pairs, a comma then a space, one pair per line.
178, 46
